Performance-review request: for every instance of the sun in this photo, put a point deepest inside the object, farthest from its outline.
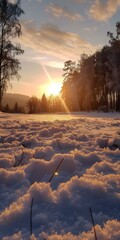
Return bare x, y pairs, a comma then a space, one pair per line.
54, 88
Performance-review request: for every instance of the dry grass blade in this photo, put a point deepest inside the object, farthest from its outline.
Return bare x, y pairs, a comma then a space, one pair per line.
17, 163
59, 145
55, 170
31, 227
91, 214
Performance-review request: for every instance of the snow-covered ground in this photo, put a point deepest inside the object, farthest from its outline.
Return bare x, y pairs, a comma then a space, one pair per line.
31, 147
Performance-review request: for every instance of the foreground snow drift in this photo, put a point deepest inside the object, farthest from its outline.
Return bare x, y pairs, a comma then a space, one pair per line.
89, 176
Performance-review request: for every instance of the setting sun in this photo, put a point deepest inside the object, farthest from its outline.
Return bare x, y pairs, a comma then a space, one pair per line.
54, 88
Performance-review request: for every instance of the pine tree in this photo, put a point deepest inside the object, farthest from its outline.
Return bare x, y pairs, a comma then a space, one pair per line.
44, 103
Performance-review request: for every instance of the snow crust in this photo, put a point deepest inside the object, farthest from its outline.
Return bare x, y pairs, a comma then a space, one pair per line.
30, 150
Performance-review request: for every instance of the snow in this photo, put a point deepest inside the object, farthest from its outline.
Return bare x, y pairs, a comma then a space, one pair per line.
31, 148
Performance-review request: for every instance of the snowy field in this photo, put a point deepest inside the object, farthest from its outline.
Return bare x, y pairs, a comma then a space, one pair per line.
31, 147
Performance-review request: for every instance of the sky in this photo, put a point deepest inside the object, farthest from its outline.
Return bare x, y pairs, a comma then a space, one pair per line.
54, 31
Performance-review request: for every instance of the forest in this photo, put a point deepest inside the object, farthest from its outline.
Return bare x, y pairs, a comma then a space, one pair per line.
93, 83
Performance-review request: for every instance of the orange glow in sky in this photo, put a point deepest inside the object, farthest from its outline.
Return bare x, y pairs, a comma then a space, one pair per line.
54, 88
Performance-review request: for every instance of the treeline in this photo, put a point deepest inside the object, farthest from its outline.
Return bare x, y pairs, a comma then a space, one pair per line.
37, 105
93, 83
45, 105
15, 109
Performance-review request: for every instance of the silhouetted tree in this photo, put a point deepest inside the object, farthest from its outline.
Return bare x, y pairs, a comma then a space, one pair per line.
114, 62
68, 90
86, 82
44, 103
33, 105
16, 108
9, 29
6, 108
114, 39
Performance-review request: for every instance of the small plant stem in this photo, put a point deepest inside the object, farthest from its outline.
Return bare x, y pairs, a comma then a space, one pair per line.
31, 217
19, 161
59, 145
55, 170
91, 214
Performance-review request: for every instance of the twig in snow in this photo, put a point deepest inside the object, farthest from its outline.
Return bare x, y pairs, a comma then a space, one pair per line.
27, 145
31, 227
17, 163
91, 214
55, 170
59, 145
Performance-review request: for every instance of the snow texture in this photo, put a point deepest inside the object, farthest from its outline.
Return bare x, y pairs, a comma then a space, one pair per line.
31, 148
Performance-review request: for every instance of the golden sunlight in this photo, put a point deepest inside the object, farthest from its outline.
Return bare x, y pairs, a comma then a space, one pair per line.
56, 173
54, 88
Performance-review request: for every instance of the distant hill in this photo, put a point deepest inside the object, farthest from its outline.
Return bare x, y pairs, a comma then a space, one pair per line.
11, 99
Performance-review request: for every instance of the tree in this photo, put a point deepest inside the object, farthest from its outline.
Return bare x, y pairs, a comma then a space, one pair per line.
69, 85
16, 108
44, 103
33, 105
113, 39
6, 108
114, 62
9, 29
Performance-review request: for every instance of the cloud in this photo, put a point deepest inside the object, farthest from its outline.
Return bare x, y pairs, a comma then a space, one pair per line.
49, 40
104, 10
12, 1
89, 29
79, 1
36, 1
58, 11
